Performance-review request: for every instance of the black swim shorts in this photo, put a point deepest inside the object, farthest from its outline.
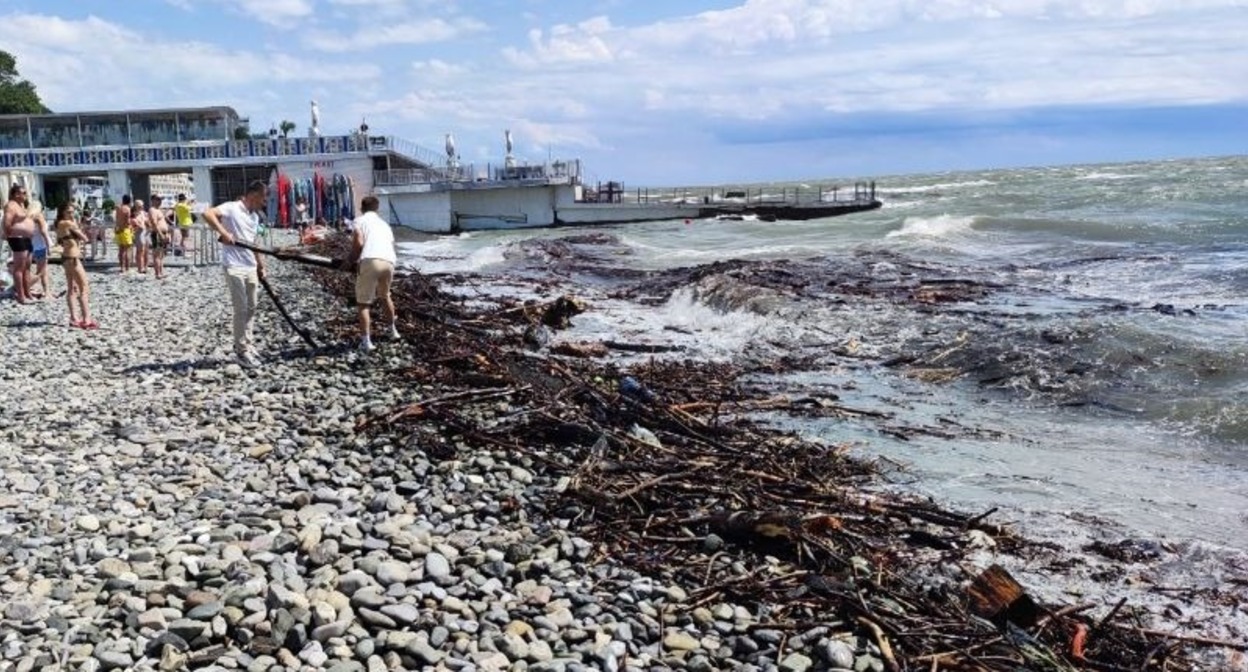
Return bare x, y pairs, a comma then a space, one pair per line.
20, 245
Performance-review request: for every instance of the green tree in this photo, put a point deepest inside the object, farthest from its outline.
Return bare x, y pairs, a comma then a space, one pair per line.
17, 96
287, 126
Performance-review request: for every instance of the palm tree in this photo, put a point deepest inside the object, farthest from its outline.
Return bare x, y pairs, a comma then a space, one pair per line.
287, 126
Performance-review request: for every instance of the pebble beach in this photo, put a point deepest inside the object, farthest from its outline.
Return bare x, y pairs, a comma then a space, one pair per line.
163, 508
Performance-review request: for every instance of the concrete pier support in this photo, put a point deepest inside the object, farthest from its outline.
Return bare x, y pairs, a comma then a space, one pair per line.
118, 184
201, 176
141, 187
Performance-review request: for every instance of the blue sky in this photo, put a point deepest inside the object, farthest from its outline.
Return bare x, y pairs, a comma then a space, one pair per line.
659, 92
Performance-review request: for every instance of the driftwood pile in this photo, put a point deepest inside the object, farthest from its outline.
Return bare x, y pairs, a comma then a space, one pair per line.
661, 466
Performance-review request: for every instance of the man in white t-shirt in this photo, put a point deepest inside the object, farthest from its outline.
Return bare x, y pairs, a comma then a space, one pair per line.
372, 249
238, 220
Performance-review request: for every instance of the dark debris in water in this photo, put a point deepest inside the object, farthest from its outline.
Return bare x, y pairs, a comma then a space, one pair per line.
679, 483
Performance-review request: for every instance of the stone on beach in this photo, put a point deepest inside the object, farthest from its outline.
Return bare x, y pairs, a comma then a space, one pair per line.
182, 511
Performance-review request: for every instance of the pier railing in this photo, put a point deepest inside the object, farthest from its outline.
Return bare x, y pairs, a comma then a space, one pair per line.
755, 195
552, 172
63, 159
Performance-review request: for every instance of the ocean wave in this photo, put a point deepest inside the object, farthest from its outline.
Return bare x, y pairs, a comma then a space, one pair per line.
927, 188
940, 226
449, 256
1099, 175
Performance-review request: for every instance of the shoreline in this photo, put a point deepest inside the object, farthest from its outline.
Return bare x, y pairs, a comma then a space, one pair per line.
166, 505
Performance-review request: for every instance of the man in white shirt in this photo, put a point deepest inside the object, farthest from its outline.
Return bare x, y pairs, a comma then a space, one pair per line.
372, 249
238, 220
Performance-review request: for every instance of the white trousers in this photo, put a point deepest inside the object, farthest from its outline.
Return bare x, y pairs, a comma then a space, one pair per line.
243, 284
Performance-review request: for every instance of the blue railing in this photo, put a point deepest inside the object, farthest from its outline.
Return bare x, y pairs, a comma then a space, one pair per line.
207, 150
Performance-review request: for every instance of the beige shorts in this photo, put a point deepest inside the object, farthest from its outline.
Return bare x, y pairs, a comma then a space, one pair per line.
373, 279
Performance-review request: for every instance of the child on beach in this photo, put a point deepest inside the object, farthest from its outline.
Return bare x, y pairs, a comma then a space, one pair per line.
140, 222
70, 237
162, 234
39, 248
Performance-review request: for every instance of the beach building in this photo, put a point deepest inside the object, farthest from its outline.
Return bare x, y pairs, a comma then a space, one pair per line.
211, 154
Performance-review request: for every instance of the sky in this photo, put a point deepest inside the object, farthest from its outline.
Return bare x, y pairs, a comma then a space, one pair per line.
688, 92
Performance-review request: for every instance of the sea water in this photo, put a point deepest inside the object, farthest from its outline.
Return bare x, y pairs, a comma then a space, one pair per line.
1100, 375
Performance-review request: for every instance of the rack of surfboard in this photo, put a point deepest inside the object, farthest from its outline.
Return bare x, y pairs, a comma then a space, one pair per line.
316, 200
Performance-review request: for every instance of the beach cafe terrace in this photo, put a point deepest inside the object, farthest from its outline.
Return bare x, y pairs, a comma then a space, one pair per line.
211, 143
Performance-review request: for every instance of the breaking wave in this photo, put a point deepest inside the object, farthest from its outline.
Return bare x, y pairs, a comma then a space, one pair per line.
940, 226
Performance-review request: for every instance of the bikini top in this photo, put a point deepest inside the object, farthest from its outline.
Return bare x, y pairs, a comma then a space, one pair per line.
65, 232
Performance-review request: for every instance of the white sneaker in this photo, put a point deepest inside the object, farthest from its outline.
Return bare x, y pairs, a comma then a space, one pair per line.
366, 345
247, 360
394, 333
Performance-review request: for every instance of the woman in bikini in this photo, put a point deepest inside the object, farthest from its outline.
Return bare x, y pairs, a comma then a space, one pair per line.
70, 238
18, 230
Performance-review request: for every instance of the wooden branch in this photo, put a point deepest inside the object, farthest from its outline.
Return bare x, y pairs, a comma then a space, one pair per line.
886, 650
642, 347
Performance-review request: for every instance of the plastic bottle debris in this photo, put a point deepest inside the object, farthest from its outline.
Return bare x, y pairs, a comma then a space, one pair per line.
644, 435
632, 388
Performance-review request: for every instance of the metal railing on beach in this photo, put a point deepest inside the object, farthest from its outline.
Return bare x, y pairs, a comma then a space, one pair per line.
199, 249
206, 250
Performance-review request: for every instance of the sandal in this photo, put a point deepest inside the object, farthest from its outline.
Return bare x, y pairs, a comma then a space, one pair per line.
90, 324
75, 324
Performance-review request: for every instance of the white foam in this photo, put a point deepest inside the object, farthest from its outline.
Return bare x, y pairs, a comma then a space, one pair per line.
1106, 176
683, 321
449, 255
903, 205
675, 251
943, 186
940, 226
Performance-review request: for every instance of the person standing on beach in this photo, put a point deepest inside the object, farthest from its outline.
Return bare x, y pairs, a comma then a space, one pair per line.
238, 221
161, 235
184, 219
139, 222
123, 235
39, 247
372, 250
70, 238
18, 230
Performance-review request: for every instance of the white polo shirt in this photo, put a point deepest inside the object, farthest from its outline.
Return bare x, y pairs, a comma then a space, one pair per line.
243, 226
378, 237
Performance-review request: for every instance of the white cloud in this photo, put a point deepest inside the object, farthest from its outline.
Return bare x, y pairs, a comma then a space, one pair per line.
598, 79
534, 138
278, 13
584, 43
70, 71
599, 83
766, 57
405, 5
439, 69
410, 32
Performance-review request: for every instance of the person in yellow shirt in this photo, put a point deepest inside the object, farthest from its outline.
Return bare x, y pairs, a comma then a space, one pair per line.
184, 219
